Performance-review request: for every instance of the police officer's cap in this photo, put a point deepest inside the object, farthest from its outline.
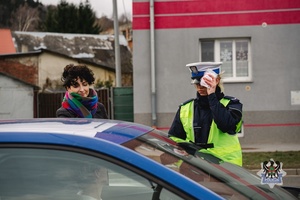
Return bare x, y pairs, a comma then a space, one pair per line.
198, 69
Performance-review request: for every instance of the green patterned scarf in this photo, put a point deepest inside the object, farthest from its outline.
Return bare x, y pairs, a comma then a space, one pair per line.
84, 107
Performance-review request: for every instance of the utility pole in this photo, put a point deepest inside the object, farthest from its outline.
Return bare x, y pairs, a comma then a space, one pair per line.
117, 45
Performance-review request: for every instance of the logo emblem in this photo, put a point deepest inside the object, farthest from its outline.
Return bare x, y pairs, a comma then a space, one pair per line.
271, 173
194, 69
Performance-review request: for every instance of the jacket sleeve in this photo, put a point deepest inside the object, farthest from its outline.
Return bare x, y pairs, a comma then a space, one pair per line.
101, 112
176, 129
227, 117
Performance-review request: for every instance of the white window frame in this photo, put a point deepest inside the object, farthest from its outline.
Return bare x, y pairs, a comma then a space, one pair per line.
217, 58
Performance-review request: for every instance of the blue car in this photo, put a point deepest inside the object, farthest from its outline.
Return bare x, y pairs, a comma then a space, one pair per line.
92, 159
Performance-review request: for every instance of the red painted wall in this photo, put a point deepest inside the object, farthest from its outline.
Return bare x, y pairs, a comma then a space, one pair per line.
216, 13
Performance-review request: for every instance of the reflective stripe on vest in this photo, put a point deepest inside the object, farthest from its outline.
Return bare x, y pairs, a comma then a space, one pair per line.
186, 118
226, 146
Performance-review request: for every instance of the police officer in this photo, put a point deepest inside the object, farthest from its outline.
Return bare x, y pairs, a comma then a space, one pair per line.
211, 120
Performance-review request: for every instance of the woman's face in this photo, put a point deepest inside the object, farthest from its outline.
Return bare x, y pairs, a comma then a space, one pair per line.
81, 88
201, 89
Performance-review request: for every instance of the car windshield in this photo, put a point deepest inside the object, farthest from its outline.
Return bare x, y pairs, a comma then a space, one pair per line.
228, 180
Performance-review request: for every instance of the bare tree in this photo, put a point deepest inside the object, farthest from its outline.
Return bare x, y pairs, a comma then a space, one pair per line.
25, 18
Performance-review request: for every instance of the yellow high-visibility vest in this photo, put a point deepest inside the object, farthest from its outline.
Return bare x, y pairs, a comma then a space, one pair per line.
226, 147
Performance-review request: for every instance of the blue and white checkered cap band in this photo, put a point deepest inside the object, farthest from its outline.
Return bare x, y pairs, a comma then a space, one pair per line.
198, 69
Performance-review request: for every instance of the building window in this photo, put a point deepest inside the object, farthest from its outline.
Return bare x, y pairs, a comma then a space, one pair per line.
233, 53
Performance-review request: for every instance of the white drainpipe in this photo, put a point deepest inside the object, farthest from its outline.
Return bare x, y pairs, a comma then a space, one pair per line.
153, 78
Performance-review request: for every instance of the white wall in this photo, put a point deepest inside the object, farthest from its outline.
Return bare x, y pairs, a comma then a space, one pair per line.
16, 99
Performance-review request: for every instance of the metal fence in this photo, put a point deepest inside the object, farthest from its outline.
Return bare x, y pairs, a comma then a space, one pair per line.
122, 103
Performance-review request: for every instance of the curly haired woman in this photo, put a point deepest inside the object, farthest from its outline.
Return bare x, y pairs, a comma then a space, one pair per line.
80, 100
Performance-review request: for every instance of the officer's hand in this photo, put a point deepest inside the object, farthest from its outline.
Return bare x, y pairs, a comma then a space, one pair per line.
212, 83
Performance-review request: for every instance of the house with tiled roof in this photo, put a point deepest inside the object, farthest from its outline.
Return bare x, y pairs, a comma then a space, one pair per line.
40, 57
43, 68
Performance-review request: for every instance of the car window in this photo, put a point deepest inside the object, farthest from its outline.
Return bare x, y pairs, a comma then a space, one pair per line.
227, 180
165, 154
28, 173
32, 173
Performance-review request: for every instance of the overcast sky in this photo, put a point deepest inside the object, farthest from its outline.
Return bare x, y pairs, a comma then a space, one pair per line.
101, 7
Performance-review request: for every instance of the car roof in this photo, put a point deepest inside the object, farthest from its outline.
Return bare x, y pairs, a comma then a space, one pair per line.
102, 136
110, 130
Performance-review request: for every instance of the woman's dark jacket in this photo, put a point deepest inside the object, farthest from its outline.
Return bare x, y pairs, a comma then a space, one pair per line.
207, 108
64, 113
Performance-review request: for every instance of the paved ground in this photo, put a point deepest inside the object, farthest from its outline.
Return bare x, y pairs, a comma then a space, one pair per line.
270, 147
293, 175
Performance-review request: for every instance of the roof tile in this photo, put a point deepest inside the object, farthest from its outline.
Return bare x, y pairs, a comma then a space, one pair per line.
6, 42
